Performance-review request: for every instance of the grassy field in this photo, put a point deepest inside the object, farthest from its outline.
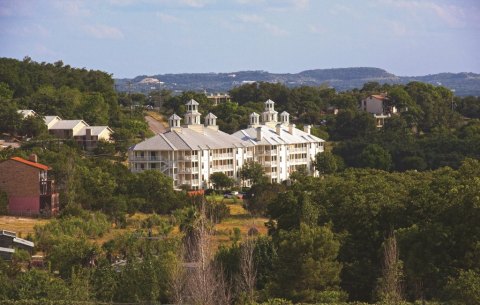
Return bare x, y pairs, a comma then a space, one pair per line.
239, 218
21, 225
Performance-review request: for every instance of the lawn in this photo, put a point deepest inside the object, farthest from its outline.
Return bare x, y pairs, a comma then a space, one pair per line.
21, 225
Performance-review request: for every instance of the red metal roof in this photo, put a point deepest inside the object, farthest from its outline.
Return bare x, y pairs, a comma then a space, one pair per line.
37, 165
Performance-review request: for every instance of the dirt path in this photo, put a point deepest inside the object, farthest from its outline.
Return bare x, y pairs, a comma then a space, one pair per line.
155, 124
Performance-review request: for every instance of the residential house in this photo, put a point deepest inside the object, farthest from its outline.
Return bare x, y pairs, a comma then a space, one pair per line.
89, 136
377, 104
219, 98
28, 188
67, 129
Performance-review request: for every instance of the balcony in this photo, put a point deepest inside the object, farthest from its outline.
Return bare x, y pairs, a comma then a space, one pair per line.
192, 170
47, 187
188, 158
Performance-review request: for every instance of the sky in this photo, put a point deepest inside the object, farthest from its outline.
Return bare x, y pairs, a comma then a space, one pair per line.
128, 38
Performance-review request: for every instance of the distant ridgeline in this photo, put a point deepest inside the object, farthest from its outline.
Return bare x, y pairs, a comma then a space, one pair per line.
341, 79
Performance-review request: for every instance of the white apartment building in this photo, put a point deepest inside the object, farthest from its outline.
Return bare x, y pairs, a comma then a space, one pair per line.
190, 153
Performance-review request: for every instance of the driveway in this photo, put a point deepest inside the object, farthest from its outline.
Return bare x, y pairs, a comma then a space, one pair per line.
154, 125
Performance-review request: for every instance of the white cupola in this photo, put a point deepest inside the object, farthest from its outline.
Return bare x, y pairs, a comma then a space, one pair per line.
211, 120
192, 116
174, 120
254, 119
285, 118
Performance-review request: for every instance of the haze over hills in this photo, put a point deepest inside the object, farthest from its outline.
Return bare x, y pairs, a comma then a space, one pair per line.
340, 78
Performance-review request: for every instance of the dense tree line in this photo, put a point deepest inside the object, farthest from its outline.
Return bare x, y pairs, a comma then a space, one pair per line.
71, 93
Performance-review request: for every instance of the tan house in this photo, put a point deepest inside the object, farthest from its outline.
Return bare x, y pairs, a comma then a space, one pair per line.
67, 129
89, 136
27, 113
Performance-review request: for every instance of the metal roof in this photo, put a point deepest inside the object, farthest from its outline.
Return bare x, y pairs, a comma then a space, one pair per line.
210, 116
68, 124
189, 139
95, 130
174, 117
192, 102
49, 118
270, 136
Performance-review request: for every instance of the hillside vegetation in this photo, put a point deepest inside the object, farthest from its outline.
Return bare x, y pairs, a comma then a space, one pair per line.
391, 218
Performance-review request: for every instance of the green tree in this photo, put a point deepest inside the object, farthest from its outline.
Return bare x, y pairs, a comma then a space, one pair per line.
254, 172
327, 163
374, 156
307, 269
221, 180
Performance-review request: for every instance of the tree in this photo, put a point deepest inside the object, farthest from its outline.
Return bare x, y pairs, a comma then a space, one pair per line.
221, 180
259, 196
465, 288
307, 269
390, 284
327, 163
33, 126
374, 156
254, 172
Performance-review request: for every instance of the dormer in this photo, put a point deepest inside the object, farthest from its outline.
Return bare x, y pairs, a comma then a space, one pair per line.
211, 121
174, 121
254, 119
285, 118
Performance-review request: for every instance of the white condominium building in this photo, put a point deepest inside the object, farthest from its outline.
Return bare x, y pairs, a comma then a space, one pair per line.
190, 153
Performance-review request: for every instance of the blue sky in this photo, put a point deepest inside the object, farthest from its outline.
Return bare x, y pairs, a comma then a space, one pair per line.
129, 38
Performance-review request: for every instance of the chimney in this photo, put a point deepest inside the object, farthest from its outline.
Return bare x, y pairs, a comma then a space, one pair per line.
291, 129
259, 133
307, 128
279, 129
33, 158
88, 132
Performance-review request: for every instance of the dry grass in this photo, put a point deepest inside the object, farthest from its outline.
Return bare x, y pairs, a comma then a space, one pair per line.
239, 218
21, 225
157, 116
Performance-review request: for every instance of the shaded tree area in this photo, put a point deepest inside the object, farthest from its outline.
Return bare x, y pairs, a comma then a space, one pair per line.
432, 214
71, 93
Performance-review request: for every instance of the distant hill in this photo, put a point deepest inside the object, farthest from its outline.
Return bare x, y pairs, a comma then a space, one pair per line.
341, 79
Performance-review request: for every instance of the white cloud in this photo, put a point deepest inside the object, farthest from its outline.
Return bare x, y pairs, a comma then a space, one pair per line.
101, 31
72, 7
261, 22
452, 15
195, 3
317, 29
166, 18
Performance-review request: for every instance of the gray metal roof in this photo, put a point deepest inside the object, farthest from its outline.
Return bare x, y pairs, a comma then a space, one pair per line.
68, 124
192, 102
174, 117
95, 130
189, 139
270, 136
210, 116
49, 118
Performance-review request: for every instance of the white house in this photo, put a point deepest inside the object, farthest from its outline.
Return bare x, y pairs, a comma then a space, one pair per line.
190, 153
25, 113
377, 105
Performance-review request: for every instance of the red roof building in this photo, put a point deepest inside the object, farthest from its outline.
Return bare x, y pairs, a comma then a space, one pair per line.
28, 188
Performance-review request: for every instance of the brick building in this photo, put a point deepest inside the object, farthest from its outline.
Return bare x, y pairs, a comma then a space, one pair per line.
28, 188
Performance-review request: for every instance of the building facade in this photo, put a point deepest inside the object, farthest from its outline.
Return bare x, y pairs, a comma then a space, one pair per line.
190, 153
28, 188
